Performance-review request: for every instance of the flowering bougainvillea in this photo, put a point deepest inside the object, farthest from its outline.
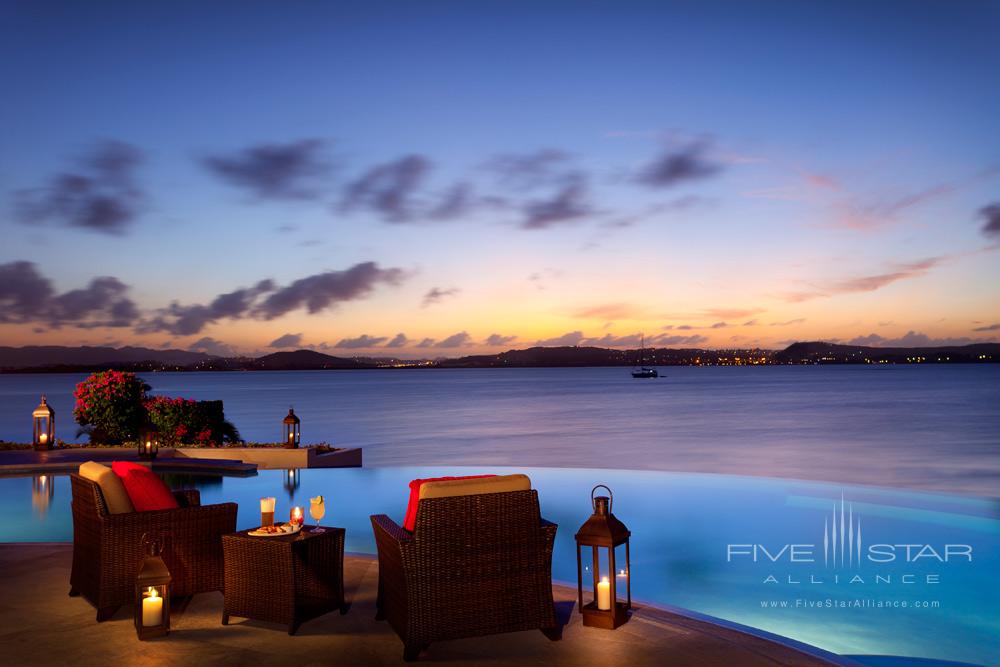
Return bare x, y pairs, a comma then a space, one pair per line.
110, 406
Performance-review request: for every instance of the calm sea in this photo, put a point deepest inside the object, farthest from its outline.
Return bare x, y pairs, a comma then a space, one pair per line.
923, 427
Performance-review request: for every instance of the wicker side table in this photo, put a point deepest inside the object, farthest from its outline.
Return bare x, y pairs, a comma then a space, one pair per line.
287, 580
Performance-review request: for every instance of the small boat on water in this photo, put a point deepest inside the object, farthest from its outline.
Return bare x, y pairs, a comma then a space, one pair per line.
642, 371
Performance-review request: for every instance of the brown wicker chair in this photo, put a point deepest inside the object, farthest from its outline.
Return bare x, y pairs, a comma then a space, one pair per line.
107, 548
474, 565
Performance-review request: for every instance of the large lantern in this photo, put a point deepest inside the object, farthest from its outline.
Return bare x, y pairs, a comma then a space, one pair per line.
290, 429
149, 441
44, 426
152, 593
604, 534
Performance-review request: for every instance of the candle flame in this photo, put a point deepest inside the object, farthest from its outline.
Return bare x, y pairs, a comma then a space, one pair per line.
152, 593
604, 580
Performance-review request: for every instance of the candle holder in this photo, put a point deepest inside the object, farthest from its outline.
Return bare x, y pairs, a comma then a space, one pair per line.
43, 421
296, 516
604, 534
152, 592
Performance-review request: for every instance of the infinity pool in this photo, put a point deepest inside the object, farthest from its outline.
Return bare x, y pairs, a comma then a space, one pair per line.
903, 574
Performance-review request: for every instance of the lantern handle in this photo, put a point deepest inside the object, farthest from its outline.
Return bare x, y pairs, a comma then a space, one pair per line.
611, 497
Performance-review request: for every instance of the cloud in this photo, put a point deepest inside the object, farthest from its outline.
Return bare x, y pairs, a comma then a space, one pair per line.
991, 220
750, 323
567, 205
362, 341
288, 340
731, 313
910, 339
274, 171
868, 283
399, 340
435, 294
326, 290
427, 342
719, 325
210, 345
570, 338
664, 339
455, 340
454, 203
608, 311
677, 166
497, 339
28, 296
989, 327
609, 340
100, 196
528, 170
316, 293
389, 188
788, 323
181, 320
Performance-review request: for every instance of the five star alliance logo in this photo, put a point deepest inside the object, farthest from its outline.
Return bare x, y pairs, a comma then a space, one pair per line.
842, 537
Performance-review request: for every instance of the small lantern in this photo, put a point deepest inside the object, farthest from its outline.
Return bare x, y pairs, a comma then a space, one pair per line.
149, 441
291, 425
152, 593
603, 533
44, 420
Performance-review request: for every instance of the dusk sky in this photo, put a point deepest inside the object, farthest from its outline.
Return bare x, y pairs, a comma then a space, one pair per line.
438, 179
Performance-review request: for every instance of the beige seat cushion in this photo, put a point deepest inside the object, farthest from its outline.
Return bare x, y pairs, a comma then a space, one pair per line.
468, 487
115, 495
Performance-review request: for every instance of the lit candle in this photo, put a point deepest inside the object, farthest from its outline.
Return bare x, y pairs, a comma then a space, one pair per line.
149, 446
152, 608
604, 594
43, 438
297, 517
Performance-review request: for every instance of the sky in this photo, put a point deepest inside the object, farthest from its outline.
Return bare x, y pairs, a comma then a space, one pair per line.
439, 179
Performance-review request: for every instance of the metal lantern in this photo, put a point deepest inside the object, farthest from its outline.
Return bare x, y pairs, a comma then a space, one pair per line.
44, 426
149, 441
291, 424
152, 593
604, 534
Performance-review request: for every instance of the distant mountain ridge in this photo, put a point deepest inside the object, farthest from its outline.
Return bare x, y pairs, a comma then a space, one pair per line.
39, 356
52, 358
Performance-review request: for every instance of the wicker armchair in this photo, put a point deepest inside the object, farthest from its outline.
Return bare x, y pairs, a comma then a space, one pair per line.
474, 565
107, 548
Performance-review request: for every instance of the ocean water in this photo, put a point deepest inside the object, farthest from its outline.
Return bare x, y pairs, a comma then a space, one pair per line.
933, 428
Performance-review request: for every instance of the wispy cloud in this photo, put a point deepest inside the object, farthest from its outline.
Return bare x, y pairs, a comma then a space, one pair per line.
28, 296
990, 216
787, 323
399, 340
361, 342
212, 346
675, 166
868, 283
389, 189
101, 195
569, 204
911, 339
497, 339
288, 340
461, 339
989, 327
436, 294
608, 311
274, 171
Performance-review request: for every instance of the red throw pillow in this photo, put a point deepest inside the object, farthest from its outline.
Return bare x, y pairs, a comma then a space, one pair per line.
146, 491
411, 509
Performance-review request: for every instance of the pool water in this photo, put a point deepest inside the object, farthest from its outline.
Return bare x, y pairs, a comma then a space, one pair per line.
736, 548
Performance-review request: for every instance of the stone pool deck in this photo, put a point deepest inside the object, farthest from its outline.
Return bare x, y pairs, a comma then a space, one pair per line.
41, 625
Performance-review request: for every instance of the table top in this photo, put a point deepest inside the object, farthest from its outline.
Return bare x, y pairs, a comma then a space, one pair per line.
305, 534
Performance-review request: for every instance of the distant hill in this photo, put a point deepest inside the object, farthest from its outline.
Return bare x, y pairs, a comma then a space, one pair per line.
821, 352
50, 356
305, 360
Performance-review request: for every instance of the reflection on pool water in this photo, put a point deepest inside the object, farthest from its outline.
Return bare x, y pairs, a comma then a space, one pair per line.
904, 573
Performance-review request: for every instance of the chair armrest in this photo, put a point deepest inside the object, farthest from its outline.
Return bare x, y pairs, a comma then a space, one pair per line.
381, 523
221, 518
188, 497
549, 531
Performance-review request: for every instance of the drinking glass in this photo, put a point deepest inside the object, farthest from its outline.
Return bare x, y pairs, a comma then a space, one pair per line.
317, 510
267, 511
